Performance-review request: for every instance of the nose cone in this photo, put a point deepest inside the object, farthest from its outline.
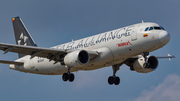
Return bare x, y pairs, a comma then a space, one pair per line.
164, 37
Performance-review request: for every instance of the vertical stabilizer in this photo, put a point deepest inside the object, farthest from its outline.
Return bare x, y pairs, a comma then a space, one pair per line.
21, 33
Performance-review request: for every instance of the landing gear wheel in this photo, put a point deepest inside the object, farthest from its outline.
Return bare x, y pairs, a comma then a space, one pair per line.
65, 77
116, 80
111, 80
68, 76
71, 77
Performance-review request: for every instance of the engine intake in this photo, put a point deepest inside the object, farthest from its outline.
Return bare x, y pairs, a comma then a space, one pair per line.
76, 58
139, 64
153, 62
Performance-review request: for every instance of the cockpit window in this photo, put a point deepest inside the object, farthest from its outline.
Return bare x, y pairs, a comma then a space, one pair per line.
146, 29
157, 28
154, 28
162, 28
151, 28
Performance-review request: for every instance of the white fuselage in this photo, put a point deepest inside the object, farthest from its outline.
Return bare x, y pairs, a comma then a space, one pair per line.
113, 47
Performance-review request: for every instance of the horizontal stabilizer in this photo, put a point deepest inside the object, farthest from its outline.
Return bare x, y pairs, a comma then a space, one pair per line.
10, 62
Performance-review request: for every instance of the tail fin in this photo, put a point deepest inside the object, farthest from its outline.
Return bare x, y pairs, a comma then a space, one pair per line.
22, 35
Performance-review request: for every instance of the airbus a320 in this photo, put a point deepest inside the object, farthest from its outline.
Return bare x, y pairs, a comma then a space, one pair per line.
129, 45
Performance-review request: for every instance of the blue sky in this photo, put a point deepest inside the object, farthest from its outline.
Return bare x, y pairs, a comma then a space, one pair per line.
53, 22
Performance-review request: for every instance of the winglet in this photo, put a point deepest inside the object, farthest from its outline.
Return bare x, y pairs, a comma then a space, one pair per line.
170, 57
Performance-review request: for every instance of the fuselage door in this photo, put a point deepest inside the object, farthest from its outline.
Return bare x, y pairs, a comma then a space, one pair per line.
134, 33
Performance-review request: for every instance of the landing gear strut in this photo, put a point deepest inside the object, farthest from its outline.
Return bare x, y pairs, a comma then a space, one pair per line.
114, 79
68, 76
145, 54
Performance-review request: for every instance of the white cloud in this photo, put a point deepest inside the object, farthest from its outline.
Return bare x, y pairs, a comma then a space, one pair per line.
85, 79
168, 90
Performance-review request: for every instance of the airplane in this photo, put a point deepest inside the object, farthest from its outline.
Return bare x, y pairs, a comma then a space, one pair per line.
129, 45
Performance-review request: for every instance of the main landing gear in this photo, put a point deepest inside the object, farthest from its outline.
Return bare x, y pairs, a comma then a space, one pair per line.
68, 76
114, 79
146, 64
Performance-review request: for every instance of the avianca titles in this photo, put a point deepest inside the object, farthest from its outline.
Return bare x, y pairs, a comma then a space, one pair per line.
129, 45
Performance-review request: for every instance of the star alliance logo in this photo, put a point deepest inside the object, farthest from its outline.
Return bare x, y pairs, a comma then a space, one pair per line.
22, 40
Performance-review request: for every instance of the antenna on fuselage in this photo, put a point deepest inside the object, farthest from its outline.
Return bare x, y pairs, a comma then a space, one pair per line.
142, 21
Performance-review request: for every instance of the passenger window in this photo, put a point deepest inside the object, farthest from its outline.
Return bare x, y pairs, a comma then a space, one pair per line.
146, 29
151, 28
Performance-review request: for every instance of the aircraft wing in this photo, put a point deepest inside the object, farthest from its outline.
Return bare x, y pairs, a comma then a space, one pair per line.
129, 62
169, 56
49, 53
158, 57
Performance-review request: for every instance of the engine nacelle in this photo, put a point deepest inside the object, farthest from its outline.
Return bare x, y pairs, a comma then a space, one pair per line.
139, 64
76, 58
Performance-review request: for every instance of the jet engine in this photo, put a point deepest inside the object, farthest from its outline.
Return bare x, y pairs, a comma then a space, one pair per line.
141, 66
76, 58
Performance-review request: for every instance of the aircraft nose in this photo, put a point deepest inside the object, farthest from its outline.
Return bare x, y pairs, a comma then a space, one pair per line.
164, 37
